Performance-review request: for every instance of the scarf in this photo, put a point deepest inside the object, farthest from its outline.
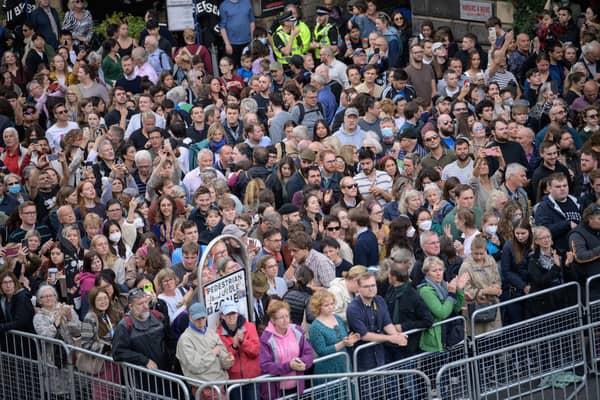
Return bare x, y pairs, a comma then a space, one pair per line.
547, 262
216, 146
441, 289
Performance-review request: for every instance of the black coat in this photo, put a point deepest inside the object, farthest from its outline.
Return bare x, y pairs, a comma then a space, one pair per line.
22, 312
409, 310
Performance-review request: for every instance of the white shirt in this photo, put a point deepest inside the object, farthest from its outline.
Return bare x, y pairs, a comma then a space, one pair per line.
463, 174
192, 180
54, 134
135, 123
337, 72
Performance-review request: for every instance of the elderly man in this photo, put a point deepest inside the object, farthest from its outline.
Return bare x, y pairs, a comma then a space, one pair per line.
143, 337
14, 153
514, 186
193, 179
590, 56
558, 118
337, 69
350, 132
589, 97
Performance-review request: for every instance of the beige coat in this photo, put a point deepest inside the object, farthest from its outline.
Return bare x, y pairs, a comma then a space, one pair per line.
481, 277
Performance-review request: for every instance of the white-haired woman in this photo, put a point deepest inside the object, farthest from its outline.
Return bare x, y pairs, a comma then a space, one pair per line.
58, 321
437, 206
79, 22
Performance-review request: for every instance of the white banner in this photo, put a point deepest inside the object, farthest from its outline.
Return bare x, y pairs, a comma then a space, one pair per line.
180, 14
231, 287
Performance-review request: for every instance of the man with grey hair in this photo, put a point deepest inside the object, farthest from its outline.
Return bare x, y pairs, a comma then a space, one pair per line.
13, 153
141, 65
309, 111
9, 195
514, 184
193, 179
590, 56
336, 68
143, 163
325, 96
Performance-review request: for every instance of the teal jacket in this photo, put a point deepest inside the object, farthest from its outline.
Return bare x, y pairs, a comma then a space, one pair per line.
431, 339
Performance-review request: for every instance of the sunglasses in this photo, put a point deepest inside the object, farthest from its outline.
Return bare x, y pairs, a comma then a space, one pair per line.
353, 186
333, 228
431, 138
61, 112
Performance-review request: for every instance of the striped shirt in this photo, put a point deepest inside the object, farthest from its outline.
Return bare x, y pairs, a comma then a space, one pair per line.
382, 180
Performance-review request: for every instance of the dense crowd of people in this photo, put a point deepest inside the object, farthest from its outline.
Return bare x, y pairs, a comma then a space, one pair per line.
381, 178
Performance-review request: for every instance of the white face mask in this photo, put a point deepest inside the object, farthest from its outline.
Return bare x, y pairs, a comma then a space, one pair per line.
138, 222
425, 225
114, 237
491, 229
411, 232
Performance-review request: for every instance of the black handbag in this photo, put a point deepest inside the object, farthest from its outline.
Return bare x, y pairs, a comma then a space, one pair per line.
488, 315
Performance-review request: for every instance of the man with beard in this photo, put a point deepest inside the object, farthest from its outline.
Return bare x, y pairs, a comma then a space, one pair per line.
119, 113
372, 184
299, 178
512, 152
420, 76
445, 127
548, 166
462, 167
130, 81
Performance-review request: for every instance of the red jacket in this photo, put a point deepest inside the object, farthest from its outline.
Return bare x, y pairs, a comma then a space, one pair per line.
246, 355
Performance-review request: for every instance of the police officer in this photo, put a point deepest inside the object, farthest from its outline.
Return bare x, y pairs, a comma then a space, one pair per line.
302, 27
286, 40
324, 33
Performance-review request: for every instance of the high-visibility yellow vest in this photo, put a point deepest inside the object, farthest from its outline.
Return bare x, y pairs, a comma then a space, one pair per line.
321, 36
304, 36
285, 38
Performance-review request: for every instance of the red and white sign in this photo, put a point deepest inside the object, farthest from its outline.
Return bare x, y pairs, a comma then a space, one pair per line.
476, 10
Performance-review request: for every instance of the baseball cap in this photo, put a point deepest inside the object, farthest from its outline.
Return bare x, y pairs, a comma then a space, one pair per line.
358, 51
308, 154
441, 99
351, 111
228, 307
197, 311
436, 46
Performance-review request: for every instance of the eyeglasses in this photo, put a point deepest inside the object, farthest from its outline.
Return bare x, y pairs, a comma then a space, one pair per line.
7, 282
29, 213
431, 138
352, 186
47, 296
333, 228
593, 116
544, 237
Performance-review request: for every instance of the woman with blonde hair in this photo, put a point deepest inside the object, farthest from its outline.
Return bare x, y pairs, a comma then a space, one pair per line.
166, 282
79, 22
111, 261
484, 285
345, 288
255, 186
410, 201
60, 74
191, 48
349, 153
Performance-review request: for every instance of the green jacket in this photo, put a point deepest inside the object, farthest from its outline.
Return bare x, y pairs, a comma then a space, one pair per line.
431, 339
449, 220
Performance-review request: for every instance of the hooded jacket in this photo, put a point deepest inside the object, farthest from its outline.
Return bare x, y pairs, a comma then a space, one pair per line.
550, 215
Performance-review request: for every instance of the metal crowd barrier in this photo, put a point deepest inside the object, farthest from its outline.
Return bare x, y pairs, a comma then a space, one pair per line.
532, 326
557, 370
428, 363
347, 389
592, 296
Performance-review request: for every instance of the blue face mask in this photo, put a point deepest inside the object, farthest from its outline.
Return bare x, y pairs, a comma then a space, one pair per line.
263, 40
14, 189
387, 132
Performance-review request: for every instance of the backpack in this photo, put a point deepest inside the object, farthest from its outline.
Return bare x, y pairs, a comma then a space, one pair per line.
303, 111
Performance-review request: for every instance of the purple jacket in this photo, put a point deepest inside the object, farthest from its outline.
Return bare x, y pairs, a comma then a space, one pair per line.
269, 363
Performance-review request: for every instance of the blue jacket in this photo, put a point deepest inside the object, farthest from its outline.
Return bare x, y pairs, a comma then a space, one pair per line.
42, 25
366, 249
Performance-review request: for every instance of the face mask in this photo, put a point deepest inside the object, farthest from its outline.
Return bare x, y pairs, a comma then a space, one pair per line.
387, 132
115, 237
491, 229
263, 40
15, 188
508, 102
138, 222
516, 218
425, 225
410, 232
